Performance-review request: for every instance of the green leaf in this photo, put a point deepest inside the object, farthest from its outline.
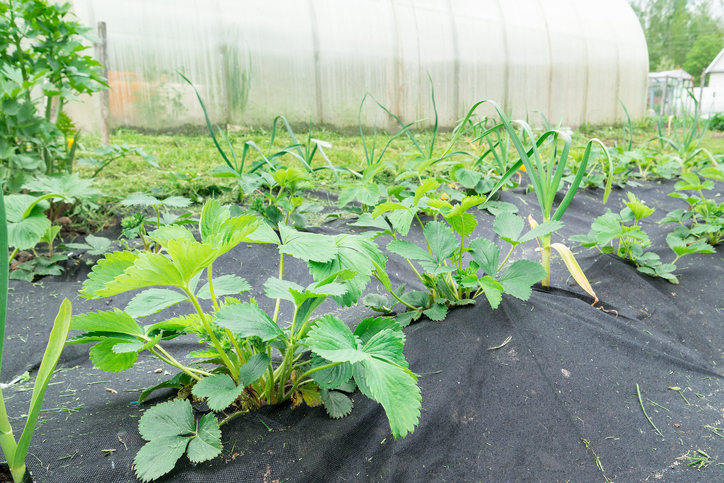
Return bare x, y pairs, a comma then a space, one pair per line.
248, 320
159, 456
437, 312
509, 227
153, 300
520, 276
385, 380
332, 377
111, 321
136, 345
307, 246
463, 223
213, 215
466, 177
441, 240
387, 344
701, 247
177, 382
492, 289
373, 325
331, 339
405, 318
105, 271
232, 232
486, 254
89, 337
219, 390
396, 389
165, 234
428, 185
377, 302
28, 232
56, 342
638, 208
367, 194
177, 202
402, 219
148, 269
409, 250
314, 291
18, 207
253, 369
167, 419
140, 199
498, 207
189, 257
275, 288
367, 220
336, 404
541, 230
353, 252
224, 285
207, 443
713, 173
105, 359
387, 207
264, 234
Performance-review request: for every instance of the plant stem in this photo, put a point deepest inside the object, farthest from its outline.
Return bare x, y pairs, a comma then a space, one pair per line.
281, 276
310, 371
504, 261
170, 360
211, 290
214, 340
7, 439
287, 363
546, 258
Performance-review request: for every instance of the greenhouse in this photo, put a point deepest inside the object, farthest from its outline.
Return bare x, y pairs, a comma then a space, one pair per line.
570, 60
374, 241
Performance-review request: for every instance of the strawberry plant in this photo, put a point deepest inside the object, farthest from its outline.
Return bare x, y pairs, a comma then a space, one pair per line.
625, 229
706, 215
448, 275
251, 359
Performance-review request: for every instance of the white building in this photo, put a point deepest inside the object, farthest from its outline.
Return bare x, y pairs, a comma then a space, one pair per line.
712, 96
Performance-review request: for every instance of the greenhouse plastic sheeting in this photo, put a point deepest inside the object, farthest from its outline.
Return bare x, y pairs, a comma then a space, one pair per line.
558, 403
571, 60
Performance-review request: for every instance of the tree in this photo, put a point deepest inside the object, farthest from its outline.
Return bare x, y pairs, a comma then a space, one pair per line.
702, 53
682, 32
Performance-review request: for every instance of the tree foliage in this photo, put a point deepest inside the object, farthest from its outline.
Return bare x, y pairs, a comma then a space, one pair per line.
680, 33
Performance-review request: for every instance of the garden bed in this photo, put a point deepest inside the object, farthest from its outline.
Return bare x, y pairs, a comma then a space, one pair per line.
567, 398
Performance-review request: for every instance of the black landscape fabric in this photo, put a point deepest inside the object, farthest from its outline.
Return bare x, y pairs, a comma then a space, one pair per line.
580, 393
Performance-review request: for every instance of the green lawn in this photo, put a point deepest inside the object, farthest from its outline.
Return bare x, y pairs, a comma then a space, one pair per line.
187, 160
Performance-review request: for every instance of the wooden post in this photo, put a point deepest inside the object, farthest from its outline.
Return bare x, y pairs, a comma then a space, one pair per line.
663, 97
701, 90
102, 54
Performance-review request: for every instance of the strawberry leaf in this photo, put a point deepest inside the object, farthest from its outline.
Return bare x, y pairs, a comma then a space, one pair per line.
520, 276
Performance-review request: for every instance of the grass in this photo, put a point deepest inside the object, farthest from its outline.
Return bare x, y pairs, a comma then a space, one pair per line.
187, 159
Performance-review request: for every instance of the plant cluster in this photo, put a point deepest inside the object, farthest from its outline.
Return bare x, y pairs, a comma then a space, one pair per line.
705, 215
251, 359
41, 51
622, 235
